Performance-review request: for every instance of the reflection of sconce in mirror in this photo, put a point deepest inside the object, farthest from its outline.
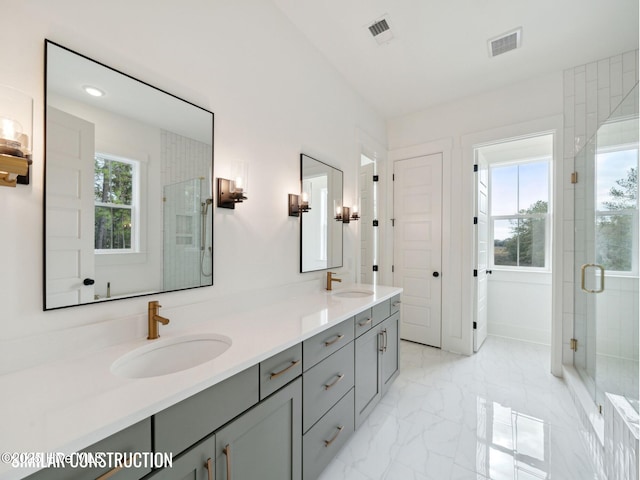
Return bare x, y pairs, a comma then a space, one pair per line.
233, 191
298, 204
16, 117
344, 214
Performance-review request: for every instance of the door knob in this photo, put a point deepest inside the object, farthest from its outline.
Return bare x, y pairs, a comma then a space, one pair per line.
436, 274
88, 281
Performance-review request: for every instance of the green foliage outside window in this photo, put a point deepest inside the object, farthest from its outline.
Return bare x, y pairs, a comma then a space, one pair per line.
615, 225
526, 245
113, 195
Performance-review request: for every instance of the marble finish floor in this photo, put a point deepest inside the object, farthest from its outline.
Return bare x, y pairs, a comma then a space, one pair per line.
498, 414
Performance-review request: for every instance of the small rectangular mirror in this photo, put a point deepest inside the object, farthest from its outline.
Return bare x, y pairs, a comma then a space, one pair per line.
128, 186
320, 233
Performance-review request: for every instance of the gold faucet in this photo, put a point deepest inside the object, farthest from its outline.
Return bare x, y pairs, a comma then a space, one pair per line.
330, 280
154, 318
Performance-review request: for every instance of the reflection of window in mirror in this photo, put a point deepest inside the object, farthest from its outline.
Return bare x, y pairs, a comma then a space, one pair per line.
116, 200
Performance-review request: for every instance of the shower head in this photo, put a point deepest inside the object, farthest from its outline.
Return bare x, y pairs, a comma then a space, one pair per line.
205, 205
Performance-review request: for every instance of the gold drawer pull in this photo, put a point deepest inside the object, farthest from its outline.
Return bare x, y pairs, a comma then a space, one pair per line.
113, 471
331, 385
396, 303
338, 338
329, 442
209, 467
364, 322
284, 370
227, 452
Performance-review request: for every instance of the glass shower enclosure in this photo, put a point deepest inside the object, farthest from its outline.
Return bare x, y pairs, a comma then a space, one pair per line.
187, 234
606, 286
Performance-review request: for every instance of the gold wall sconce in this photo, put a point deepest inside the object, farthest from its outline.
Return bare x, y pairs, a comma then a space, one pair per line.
344, 214
298, 204
233, 191
16, 125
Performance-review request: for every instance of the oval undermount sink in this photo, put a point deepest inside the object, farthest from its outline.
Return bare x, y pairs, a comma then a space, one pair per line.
352, 293
161, 357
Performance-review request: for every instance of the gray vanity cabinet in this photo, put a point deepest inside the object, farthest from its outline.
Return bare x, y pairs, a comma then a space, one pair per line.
368, 375
390, 354
136, 438
377, 364
265, 442
197, 463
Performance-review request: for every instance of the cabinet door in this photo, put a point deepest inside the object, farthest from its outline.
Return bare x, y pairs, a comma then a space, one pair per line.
136, 438
368, 374
390, 329
266, 442
197, 463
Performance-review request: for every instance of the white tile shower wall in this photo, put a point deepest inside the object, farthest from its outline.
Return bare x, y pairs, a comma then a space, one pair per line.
621, 434
184, 160
591, 92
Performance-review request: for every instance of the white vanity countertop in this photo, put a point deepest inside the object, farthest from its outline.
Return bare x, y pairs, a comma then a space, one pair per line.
67, 405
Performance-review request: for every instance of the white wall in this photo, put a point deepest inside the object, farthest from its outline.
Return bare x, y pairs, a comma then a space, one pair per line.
273, 96
519, 305
517, 109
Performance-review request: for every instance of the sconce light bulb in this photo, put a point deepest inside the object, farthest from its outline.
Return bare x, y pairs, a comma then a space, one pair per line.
338, 210
304, 197
10, 129
355, 209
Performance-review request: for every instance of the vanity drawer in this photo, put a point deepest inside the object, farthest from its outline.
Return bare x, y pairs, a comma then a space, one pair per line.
381, 311
136, 438
277, 371
363, 322
325, 343
325, 384
395, 304
183, 424
326, 438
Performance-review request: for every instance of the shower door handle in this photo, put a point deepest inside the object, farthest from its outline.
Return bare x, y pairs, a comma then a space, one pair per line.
583, 274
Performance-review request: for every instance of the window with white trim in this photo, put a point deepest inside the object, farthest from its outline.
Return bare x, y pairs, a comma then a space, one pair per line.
115, 198
519, 214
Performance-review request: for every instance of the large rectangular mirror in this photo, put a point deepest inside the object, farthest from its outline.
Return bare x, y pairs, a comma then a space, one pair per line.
320, 233
128, 186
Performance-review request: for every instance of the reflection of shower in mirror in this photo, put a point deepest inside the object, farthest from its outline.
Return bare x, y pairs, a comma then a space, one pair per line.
204, 251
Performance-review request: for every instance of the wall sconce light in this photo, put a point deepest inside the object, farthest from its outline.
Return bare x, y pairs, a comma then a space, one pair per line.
298, 204
344, 214
16, 123
233, 191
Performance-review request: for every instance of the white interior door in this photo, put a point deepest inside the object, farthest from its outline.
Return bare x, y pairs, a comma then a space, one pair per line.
69, 209
417, 210
482, 251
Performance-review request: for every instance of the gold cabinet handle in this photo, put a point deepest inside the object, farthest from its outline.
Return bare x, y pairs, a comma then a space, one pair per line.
209, 467
386, 340
333, 384
583, 271
338, 338
284, 370
396, 303
333, 439
364, 322
227, 453
113, 471
381, 341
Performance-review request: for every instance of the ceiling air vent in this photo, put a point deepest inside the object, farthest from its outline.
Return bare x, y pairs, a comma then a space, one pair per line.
505, 43
380, 30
